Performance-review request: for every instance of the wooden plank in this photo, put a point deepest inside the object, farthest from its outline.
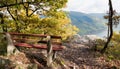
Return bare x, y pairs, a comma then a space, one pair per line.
26, 39
54, 43
33, 35
39, 46
45, 42
56, 37
22, 34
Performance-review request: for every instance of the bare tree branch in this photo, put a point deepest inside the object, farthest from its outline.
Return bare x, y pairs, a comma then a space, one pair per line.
33, 12
11, 14
6, 5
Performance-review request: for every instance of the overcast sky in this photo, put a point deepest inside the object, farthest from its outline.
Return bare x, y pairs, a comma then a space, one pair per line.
91, 6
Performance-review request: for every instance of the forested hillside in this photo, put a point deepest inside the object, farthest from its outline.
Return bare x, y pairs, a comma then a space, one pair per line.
87, 23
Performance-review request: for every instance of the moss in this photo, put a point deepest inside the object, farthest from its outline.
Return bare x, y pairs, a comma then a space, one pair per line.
3, 46
32, 66
6, 64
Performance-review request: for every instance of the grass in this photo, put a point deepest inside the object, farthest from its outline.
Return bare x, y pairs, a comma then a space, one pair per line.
113, 53
113, 50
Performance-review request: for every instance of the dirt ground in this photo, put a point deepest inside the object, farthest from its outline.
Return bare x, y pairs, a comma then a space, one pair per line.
75, 56
82, 57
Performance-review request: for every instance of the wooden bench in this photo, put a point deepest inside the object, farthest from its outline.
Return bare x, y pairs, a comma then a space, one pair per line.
50, 43
40, 42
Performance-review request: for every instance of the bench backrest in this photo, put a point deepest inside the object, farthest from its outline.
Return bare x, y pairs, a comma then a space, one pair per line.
20, 37
37, 41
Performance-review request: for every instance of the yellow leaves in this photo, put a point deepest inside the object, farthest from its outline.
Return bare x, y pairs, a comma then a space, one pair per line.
116, 37
55, 26
54, 23
68, 30
113, 52
57, 14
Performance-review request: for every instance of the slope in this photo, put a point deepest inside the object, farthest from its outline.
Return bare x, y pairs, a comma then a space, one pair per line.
87, 23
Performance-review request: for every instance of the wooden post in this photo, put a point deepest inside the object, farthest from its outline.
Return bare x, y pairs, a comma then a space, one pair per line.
54, 54
49, 52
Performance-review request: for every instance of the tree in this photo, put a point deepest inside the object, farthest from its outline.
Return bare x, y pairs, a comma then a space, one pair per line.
112, 20
37, 16
41, 6
110, 26
46, 18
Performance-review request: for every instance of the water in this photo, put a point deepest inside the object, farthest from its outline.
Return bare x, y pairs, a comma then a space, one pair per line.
104, 33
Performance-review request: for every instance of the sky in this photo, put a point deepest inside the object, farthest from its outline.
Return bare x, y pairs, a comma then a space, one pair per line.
91, 6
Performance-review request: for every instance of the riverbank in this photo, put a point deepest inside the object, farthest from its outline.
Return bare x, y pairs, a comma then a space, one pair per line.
103, 33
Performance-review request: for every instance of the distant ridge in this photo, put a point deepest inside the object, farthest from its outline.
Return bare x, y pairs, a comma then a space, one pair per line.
87, 23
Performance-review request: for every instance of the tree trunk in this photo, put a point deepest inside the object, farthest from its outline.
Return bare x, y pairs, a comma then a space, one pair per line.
11, 49
110, 22
108, 31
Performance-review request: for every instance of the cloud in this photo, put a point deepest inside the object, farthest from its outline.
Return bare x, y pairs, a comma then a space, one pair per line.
91, 6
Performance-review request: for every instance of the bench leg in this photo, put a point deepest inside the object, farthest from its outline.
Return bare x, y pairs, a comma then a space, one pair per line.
49, 58
54, 54
49, 53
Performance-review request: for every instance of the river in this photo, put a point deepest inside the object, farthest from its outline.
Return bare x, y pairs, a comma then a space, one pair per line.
101, 33
104, 33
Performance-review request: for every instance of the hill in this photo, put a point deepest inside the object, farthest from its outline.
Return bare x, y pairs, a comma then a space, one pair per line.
98, 15
87, 23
